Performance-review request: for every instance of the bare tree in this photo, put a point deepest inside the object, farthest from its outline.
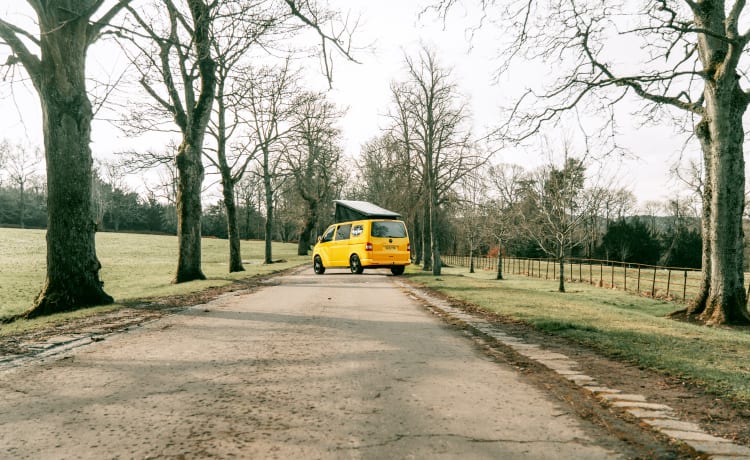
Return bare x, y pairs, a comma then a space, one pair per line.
472, 211
54, 58
190, 57
555, 204
22, 167
241, 27
179, 72
506, 180
313, 156
386, 176
269, 98
436, 119
402, 133
690, 63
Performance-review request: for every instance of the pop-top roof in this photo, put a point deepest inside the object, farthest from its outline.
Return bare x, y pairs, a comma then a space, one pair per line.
356, 210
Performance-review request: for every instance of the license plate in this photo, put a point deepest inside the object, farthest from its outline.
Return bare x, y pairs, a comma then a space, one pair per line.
390, 247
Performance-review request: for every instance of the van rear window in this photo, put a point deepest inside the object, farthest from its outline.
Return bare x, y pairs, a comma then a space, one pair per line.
388, 230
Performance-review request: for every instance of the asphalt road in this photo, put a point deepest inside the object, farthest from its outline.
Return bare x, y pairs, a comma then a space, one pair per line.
331, 366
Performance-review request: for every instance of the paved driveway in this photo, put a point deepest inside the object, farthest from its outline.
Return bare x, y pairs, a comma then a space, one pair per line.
332, 366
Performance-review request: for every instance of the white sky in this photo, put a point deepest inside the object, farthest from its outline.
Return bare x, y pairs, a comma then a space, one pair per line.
392, 28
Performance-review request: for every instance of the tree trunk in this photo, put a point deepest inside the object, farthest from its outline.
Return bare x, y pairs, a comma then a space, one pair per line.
726, 303
189, 155
189, 187
417, 242
233, 227
499, 260
471, 260
561, 262
72, 279
304, 236
437, 265
721, 136
698, 304
427, 239
269, 212
22, 206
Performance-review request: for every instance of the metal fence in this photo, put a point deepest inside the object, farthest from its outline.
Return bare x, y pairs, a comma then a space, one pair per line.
673, 283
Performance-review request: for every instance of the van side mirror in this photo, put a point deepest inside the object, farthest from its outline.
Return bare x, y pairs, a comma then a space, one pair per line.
320, 238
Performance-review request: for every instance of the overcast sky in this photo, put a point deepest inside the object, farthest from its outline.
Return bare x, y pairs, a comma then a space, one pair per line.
389, 29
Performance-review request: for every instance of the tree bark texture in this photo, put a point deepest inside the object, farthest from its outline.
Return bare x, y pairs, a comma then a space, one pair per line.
698, 305
437, 265
499, 275
268, 188
189, 187
721, 134
72, 279
426, 239
417, 241
233, 227
726, 301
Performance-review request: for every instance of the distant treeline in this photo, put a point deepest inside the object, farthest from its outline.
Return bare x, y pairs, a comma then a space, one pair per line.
117, 210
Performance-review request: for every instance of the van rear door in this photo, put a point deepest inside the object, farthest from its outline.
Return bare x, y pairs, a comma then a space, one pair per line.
390, 242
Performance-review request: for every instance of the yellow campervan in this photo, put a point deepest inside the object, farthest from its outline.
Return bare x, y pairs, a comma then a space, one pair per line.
365, 236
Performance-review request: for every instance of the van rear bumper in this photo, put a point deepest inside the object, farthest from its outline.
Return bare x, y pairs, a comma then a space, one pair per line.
381, 263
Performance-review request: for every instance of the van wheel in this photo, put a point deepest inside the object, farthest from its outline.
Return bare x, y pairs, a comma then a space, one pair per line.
397, 270
318, 266
355, 265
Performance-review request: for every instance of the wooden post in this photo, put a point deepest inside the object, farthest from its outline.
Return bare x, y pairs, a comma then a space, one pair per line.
580, 267
669, 278
601, 274
625, 277
684, 286
612, 275
591, 273
571, 269
638, 283
653, 284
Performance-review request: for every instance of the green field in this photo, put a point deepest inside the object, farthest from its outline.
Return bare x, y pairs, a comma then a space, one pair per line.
616, 323
133, 266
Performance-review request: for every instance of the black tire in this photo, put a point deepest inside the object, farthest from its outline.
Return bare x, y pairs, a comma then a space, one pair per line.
397, 270
355, 265
318, 266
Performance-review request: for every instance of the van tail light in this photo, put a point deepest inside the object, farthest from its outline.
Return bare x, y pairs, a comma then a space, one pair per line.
408, 247
368, 246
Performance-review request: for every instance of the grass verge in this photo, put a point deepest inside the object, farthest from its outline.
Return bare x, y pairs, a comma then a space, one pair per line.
618, 324
134, 268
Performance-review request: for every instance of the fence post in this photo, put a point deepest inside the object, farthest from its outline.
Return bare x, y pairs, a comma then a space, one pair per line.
653, 284
601, 274
612, 275
570, 264
638, 283
669, 278
591, 273
580, 268
625, 277
684, 286
546, 273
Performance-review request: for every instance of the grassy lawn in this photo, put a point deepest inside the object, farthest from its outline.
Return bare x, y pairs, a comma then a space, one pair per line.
134, 266
616, 323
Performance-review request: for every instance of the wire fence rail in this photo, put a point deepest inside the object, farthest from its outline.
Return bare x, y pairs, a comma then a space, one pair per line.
672, 283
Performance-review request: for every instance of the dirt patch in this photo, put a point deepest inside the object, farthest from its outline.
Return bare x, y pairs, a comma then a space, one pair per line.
720, 417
